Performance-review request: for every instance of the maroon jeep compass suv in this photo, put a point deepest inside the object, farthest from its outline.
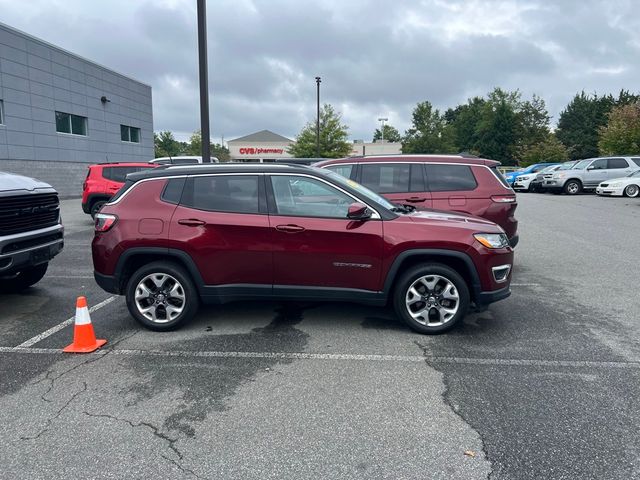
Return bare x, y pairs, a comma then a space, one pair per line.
457, 183
174, 237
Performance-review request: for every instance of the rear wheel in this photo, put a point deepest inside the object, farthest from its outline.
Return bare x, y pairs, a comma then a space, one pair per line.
23, 279
632, 191
161, 296
572, 187
431, 298
95, 208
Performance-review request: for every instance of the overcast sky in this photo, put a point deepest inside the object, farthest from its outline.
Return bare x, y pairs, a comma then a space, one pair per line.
376, 58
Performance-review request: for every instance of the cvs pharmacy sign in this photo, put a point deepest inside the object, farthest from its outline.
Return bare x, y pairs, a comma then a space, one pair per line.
258, 151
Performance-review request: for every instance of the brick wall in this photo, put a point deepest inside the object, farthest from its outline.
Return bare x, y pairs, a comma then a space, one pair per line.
65, 177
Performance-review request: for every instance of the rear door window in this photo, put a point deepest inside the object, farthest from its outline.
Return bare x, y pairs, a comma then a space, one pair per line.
617, 163
344, 170
386, 178
449, 178
222, 193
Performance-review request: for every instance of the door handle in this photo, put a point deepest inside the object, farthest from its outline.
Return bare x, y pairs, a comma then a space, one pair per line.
415, 199
191, 222
290, 228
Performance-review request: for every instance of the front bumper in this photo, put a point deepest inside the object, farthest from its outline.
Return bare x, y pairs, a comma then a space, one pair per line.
612, 192
24, 250
485, 298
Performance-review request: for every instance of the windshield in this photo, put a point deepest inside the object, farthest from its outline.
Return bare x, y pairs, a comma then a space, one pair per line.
581, 165
549, 169
567, 166
363, 191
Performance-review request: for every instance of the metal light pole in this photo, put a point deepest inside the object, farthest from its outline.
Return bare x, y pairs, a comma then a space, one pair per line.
382, 129
204, 81
318, 80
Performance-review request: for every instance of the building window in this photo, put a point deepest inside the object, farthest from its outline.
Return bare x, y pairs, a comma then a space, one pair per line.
1, 113
129, 134
68, 123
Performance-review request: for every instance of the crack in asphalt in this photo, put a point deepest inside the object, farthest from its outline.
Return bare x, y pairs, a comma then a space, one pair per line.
446, 399
57, 414
156, 432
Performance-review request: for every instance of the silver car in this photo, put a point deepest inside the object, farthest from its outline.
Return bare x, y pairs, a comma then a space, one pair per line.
588, 174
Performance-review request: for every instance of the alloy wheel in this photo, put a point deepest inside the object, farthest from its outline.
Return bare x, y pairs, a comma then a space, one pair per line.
160, 298
572, 188
432, 300
632, 190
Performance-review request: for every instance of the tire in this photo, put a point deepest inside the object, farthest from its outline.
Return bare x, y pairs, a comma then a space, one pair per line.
438, 280
572, 187
163, 288
632, 191
95, 208
23, 279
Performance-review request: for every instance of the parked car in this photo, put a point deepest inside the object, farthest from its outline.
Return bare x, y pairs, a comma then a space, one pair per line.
175, 237
588, 174
523, 181
537, 184
103, 181
444, 182
510, 177
181, 160
628, 186
31, 231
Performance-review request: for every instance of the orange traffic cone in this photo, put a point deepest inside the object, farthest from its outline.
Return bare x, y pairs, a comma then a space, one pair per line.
84, 339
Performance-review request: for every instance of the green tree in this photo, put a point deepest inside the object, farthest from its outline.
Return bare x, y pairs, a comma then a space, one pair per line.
534, 122
333, 137
549, 149
194, 147
165, 145
391, 134
621, 135
580, 121
464, 120
429, 132
498, 129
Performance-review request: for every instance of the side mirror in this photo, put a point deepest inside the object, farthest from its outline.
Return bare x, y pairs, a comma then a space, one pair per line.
358, 211
591, 167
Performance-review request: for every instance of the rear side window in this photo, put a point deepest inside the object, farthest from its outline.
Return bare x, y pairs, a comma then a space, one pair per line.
500, 177
636, 160
222, 193
386, 178
173, 190
344, 170
448, 178
618, 163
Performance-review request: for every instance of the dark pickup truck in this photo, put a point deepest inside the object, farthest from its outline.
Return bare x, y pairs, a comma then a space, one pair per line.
31, 231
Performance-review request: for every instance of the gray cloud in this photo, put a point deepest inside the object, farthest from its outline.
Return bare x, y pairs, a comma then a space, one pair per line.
375, 57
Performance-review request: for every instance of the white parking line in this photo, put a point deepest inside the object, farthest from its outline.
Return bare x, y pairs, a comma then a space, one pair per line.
70, 276
60, 326
635, 365
525, 284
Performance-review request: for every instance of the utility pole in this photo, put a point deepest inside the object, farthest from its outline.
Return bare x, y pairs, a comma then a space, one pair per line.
318, 80
204, 81
382, 129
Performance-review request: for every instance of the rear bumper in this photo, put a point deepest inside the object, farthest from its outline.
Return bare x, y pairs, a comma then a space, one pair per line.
108, 283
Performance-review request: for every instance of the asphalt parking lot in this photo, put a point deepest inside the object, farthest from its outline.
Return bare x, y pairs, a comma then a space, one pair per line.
542, 385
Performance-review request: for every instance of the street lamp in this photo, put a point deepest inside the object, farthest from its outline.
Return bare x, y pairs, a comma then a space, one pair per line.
382, 119
318, 80
204, 80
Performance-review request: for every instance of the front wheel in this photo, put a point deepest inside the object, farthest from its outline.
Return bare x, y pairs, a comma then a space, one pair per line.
572, 187
431, 298
161, 296
632, 191
23, 279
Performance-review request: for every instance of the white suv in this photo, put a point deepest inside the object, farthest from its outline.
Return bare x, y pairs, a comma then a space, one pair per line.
588, 174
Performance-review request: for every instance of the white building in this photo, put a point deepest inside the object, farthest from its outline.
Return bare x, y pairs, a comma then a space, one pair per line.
264, 145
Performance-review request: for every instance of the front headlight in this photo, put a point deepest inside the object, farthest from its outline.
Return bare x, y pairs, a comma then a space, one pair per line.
616, 184
492, 240
523, 177
559, 175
